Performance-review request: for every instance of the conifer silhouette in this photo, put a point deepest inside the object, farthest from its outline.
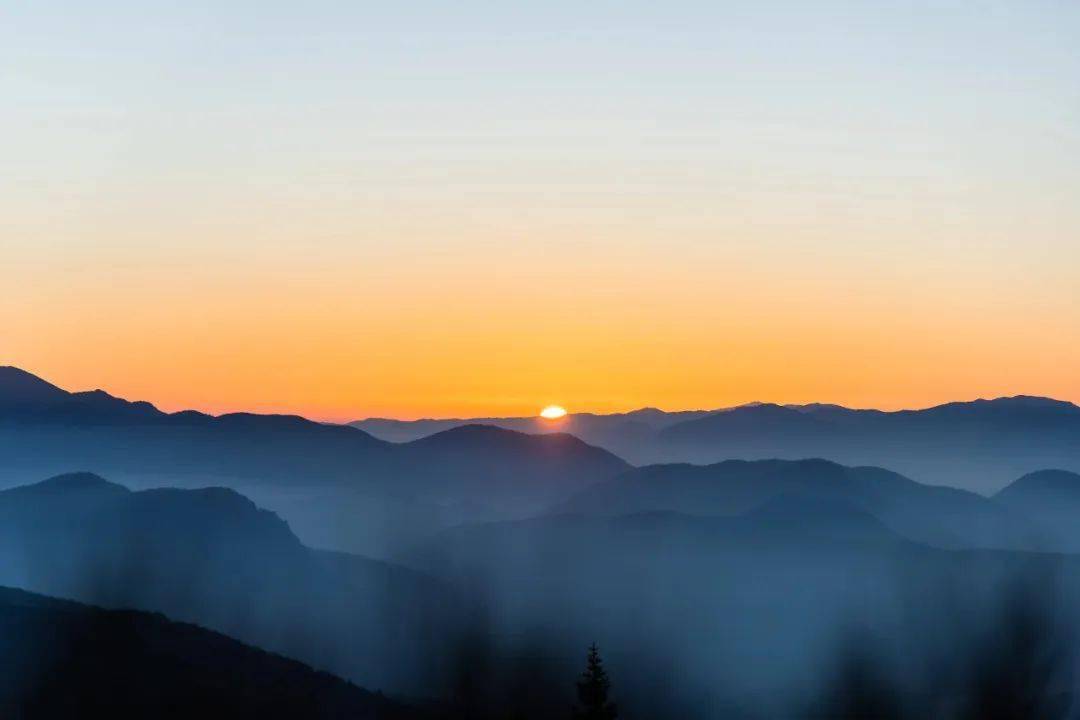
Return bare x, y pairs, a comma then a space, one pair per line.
592, 690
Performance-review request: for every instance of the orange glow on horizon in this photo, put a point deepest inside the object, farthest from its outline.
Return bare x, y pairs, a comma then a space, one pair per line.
427, 329
458, 344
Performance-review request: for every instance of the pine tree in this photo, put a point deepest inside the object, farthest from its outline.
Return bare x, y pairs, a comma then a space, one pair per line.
592, 690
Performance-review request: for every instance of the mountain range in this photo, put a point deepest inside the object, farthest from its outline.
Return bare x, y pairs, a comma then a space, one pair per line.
341, 488
761, 556
979, 445
338, 486
615, 430
939, 516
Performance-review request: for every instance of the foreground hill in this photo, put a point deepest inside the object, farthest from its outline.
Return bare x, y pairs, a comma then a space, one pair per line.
66, 660
212, 557
939, 516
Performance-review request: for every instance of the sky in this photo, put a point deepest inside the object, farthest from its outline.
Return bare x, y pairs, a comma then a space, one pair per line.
352, 209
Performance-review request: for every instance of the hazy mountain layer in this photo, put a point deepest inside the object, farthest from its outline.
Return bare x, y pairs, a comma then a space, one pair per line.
979, 445
697, 614
615, 430
1050, 501
939, 516
758, 613
212, 557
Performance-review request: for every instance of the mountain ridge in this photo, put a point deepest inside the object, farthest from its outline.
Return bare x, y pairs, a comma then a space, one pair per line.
134, 664
939, 516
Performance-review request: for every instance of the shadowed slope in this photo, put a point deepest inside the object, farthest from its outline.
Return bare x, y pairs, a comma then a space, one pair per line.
19, 388
505, 469
46, 430
63, 660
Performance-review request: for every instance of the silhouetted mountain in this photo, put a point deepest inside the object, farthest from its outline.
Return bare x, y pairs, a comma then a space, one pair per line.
25, 397
212, 557
978, 445
19, 388
621, 433
57, 431
940, 516
61, 659
505, 469
337, 485
1050, 499
77, 488
748, 422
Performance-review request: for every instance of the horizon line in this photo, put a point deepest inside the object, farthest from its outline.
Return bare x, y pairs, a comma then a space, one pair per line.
570, 414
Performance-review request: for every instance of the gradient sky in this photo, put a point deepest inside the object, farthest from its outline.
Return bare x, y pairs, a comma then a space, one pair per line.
347, 209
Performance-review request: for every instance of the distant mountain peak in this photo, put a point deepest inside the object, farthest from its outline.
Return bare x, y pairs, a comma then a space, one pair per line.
1043, 482
817, 407
74, 482
759, 408
1032, 402
1029, 400
80, 477
1036, 401
493, 433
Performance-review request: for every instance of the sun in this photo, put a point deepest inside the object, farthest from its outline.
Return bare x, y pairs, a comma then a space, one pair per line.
553, 412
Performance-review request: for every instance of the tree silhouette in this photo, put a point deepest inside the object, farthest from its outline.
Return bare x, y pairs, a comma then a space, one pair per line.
592, 690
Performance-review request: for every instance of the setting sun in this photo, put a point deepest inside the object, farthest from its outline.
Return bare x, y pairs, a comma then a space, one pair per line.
553, 412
